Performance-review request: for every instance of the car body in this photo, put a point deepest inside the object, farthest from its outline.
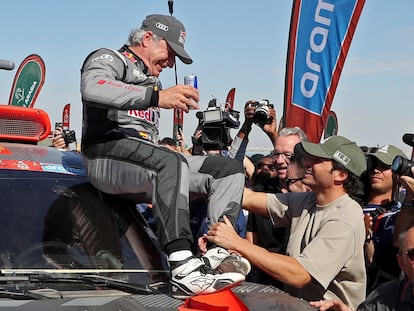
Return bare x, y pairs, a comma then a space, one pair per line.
67, 246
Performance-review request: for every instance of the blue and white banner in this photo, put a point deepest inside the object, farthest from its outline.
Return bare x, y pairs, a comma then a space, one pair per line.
320, 35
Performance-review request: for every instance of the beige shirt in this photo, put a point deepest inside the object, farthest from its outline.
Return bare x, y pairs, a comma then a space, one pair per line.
327, 241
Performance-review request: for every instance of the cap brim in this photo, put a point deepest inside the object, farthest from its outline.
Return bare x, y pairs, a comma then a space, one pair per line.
181, 53
383, 158
314, 150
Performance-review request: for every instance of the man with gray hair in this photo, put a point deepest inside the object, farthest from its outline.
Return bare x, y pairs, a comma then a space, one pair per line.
122, 97
283, 151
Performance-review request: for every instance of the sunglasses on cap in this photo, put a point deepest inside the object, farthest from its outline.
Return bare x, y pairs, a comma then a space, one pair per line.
410, 254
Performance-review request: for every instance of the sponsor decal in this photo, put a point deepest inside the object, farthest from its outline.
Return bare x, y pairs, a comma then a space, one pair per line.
117, 84
202, 282
27, 165
151, 116
161, 26
139, 74
76, 171
384, 149
182, 36
129, 56
107, 57
19, 95
20, 165
341, 157
58, 168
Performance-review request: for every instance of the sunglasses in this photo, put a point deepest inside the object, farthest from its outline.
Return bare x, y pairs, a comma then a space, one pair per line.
410, 254
270, 167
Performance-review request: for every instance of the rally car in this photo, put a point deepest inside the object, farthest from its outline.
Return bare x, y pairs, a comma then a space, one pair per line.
67, 246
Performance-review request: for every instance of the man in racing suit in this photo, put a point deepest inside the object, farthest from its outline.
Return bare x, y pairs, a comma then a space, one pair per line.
122, 98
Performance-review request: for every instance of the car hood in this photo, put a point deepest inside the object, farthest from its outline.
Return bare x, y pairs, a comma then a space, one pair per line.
17, 156
247, 296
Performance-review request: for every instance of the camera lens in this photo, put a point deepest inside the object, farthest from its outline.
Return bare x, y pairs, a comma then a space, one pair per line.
260, 116
402, 166
211, 135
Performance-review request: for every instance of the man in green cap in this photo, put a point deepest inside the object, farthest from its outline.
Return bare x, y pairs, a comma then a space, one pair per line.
325, 255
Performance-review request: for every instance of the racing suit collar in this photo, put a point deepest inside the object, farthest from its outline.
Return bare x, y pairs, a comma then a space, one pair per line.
125, 50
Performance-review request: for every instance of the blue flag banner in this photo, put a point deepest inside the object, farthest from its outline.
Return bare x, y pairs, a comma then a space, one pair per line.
320, 35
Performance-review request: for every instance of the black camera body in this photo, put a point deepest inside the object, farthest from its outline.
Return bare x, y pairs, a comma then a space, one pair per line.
69, 136
215, 124
402, 166
261, 114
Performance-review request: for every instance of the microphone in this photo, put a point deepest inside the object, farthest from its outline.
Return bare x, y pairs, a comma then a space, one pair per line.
6, 64
408, 139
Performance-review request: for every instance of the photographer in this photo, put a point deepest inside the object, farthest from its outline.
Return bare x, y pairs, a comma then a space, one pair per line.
61, 138
239, 144
381, 207
405, 217
212, 135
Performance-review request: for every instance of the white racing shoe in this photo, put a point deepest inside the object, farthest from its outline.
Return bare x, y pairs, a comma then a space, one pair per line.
220, 259
193, 276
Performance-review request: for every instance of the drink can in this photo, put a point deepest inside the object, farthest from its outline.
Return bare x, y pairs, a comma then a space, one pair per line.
191, 80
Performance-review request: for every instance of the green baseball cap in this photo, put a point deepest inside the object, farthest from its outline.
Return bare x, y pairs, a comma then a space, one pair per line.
339, 149
387, 153
171, 30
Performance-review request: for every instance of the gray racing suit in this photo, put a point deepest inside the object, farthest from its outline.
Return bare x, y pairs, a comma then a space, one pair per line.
122, 156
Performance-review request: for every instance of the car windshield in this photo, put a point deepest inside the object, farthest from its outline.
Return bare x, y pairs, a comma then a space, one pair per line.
53, 221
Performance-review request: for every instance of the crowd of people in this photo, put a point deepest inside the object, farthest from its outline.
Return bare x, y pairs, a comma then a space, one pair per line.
326, 222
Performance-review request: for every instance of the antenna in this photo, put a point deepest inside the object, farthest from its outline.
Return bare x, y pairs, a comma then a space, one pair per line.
178, 114
171, 9
170, 6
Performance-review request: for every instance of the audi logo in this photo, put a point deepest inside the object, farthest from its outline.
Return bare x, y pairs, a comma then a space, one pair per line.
161, 26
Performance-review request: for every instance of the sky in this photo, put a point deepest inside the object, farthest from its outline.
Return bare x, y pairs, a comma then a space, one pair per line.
234, 44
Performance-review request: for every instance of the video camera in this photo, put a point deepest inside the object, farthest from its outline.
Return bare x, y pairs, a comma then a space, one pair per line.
215, 124
69, 136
